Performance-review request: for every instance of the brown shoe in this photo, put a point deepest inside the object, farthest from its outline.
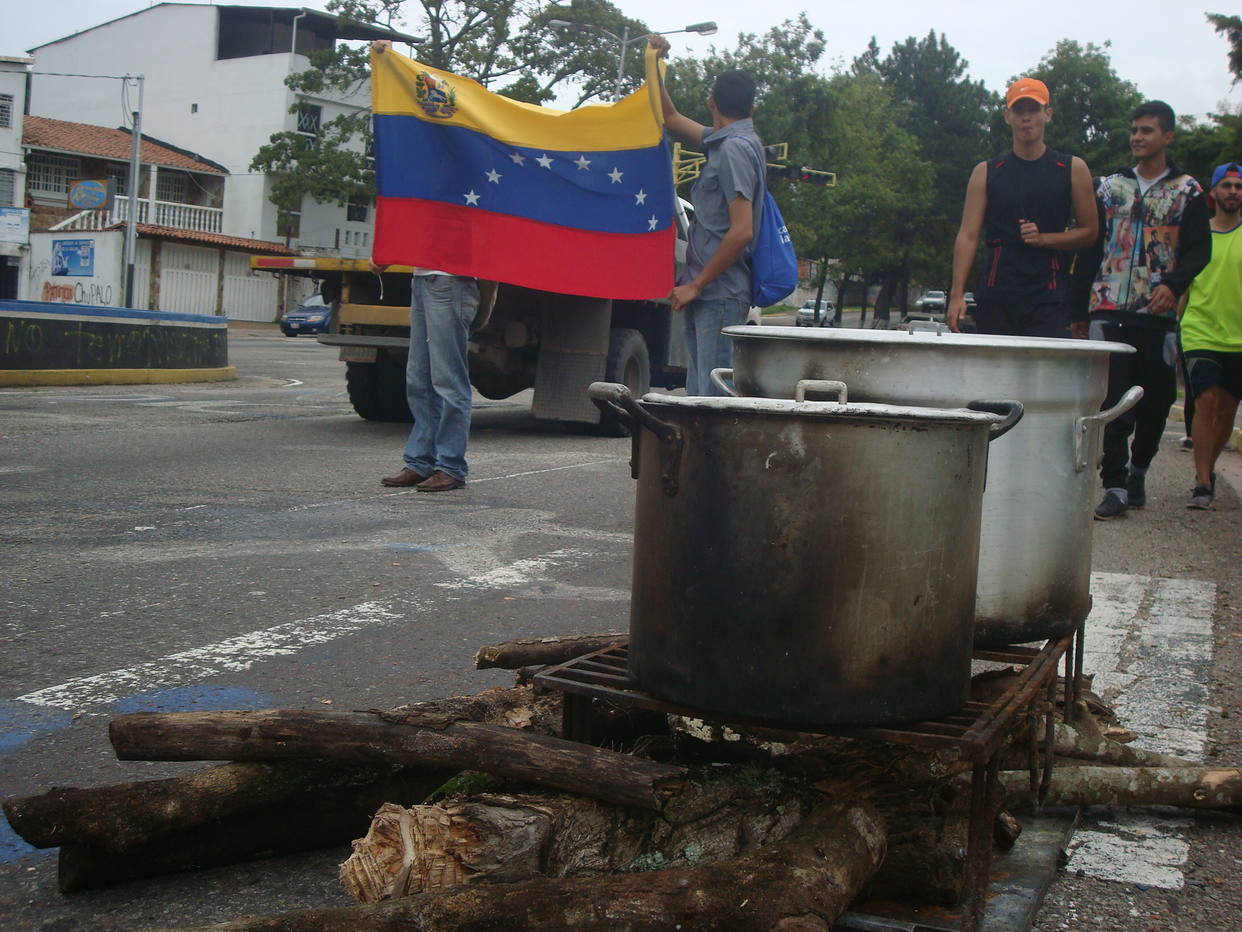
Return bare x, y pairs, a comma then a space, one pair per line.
406, 477
440, 481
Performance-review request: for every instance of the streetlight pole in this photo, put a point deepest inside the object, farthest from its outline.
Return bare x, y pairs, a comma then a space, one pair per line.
625, 40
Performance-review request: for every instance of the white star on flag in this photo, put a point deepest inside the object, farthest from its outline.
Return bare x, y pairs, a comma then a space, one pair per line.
544, 160
640, 197
652, 223
582, 162
494, 176
472, 199
615, 175
518, 158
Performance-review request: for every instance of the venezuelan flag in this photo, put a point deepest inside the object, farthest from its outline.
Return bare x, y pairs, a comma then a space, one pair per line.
472, 183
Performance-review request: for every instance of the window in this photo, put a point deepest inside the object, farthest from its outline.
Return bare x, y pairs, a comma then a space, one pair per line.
356, 210
309, 117
51, 174
119, 176
6, 109
171, 187
8, 188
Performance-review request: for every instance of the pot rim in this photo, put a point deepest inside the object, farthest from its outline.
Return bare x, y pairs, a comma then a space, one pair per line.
929, 339
824, 410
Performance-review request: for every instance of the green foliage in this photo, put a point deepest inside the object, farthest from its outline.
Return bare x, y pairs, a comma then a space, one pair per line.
1091, 106
1231, 28
1200, 147
473, 38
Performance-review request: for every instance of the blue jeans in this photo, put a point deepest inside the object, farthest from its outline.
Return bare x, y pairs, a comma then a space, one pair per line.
706, 347
437, 375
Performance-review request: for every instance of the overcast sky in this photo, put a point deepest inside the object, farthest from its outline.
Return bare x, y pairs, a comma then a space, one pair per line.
1170, 52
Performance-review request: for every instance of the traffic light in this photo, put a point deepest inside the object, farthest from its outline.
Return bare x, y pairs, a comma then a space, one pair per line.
809, 175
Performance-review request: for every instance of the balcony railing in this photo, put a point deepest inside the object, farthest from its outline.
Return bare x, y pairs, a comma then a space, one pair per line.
166, 214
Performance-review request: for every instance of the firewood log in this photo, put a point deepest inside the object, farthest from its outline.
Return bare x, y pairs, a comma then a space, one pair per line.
1195, 787
802, 883
415, 740
526, 652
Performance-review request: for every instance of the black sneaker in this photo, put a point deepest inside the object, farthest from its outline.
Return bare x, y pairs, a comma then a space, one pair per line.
1111, 507
1187, 445
1201, 497
1136, 490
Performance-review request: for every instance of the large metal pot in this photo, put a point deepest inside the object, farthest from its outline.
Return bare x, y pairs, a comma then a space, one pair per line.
785, 565
1035, 542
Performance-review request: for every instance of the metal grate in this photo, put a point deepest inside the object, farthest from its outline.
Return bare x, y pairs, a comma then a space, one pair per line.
976, 731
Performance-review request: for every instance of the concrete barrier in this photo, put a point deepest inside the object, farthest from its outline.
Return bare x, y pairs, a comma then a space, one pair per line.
43, 343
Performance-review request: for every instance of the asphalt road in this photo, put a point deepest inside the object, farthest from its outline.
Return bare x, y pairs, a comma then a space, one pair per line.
229, 546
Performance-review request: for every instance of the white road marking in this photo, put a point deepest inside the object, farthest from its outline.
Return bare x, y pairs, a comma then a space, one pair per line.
229, 656
1140, 848
1149, 644
532, 576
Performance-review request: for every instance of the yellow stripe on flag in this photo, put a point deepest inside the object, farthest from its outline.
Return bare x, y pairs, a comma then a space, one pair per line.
635, 122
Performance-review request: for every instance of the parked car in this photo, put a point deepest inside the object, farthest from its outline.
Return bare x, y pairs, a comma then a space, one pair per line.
805, 316
313, 315
934, 302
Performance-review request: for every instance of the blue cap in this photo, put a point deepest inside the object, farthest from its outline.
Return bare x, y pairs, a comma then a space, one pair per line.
1229, 168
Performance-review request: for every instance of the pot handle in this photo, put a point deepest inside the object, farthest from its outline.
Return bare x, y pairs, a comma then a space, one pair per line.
1082, 429
925, 326
821, 385
718, 378
615, 397
1011, 411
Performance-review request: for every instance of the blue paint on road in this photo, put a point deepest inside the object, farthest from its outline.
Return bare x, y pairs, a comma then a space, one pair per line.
198, 698
410, 548
12, 846
21, 721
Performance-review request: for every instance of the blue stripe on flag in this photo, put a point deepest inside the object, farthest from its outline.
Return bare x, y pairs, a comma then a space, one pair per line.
629, 191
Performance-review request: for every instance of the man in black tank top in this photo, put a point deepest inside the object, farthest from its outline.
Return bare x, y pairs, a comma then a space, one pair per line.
1023, 203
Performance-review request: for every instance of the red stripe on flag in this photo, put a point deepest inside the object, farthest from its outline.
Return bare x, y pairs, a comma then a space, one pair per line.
469, 241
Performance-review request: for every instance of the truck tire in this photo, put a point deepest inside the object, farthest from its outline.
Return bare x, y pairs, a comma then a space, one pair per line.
630, 364
377, 390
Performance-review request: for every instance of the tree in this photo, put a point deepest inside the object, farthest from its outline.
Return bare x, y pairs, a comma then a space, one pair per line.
473, 38
1231, 28
869, 220
947, 114
1091, 106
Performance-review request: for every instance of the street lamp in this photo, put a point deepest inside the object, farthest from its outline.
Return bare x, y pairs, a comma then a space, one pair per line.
626, 40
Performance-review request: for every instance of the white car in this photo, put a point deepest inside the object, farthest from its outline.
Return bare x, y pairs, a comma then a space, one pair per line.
805, 317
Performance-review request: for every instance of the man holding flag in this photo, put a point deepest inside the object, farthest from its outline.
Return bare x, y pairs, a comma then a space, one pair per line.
714, 289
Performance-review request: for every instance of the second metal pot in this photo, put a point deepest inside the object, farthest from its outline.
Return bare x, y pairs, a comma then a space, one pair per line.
1035, 542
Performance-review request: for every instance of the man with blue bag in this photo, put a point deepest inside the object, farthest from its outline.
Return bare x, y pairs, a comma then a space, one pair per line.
715, 288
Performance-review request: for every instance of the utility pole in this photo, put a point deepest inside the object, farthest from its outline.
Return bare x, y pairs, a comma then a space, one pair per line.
131, 224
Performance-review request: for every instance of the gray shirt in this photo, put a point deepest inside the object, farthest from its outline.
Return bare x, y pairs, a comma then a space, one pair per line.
731, 171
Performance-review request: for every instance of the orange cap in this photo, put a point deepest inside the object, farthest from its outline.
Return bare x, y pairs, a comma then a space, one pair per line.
1027, 87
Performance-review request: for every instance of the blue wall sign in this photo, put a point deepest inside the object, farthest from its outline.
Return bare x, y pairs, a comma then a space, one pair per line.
73, 257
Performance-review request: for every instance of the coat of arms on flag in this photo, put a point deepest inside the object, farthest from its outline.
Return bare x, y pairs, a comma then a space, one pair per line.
579, 202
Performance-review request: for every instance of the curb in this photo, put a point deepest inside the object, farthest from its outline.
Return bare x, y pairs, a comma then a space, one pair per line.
114, 376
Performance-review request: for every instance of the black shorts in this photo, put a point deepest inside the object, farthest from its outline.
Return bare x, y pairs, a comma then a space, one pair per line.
1206, 368
1021, 318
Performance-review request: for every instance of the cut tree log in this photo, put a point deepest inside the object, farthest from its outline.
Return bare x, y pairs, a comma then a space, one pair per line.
1195, 787
122, 817
320, 818
115, 819
502, 839
1089, 743
413, 740
526, 652
802, 883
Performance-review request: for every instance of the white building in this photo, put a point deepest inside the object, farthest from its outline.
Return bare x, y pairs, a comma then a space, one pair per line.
14, 218
214, 84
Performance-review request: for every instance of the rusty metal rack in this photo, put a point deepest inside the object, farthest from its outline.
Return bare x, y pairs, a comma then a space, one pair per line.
977, 733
